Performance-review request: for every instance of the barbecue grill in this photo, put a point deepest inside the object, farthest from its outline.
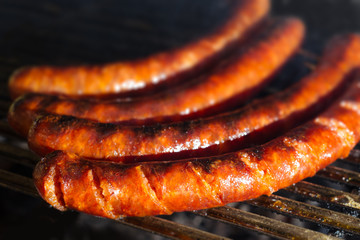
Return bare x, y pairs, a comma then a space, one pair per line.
73, 32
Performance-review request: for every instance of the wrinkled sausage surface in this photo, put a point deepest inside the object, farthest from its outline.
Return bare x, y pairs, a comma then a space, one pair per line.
115, 141
240, 78
126, 76
112, 190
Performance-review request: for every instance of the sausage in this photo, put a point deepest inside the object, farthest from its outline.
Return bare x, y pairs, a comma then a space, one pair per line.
240, 78
116, 142
113, 190
126, 76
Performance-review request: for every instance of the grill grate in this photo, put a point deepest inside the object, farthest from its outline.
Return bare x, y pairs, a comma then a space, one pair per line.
153, 224
230, 215
76, 32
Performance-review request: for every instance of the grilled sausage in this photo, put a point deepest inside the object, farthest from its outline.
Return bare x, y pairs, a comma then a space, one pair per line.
125, 76
113, 190
116, 141
237, 79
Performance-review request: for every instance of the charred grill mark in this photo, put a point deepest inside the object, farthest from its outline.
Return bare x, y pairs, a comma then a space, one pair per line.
102, 130
148, 131
82, 107
257, 153
286, 145
229, 122
46, 101
204, 164
185, 128
157, 169
56, 123
300, 133
227, 160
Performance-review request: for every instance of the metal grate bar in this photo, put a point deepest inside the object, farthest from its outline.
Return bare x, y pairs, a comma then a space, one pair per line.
262, 224
7, 131
168, 228
287, 206
17, 152
325, 194
230, 215
18, 155
308, 212
78, 35
332, 173
177, 231
340, 175
266, 225
307, 189
158, 225
4, 106
151, 224
18, 183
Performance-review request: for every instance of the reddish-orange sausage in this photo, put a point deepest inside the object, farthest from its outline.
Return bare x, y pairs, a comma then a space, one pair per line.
112, 190
116, 141
250, 68
131, 75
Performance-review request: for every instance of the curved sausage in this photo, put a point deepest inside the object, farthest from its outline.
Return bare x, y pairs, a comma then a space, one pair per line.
126, 76
116, 141
239, 78
113, 190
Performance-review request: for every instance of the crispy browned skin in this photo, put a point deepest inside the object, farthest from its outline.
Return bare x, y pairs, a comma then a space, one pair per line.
250, 68
113, 190
115, 141
130, 75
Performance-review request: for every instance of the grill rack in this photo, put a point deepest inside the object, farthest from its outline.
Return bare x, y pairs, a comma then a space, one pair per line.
231, 215
330, 207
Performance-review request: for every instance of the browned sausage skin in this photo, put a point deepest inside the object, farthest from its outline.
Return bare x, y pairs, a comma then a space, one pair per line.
239, 78
126, 76
115, 141
113, 190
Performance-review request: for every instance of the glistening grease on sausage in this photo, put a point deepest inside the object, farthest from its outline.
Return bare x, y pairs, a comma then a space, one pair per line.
239, 79
113, 190
126, 76
116, 142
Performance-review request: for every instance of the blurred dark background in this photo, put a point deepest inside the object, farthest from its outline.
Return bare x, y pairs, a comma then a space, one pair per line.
64, 32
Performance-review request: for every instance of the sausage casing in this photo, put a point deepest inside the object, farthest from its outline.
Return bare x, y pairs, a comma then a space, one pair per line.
115, 141
113, 190
126, 76
240, 77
